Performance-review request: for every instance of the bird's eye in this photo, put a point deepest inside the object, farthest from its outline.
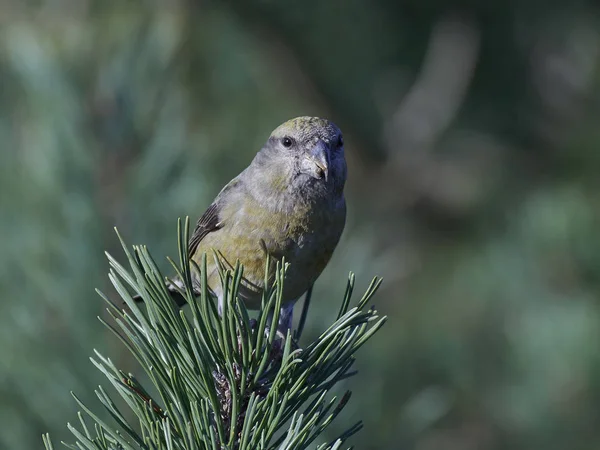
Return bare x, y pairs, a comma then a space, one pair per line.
287, 142
340, 142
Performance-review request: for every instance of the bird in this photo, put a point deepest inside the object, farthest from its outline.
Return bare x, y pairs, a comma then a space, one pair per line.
288, 204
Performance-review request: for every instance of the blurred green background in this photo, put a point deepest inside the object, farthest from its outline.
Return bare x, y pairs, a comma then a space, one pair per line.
472, 135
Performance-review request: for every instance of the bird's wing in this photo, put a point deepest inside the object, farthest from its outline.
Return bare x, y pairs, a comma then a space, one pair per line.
208, 222
211, 220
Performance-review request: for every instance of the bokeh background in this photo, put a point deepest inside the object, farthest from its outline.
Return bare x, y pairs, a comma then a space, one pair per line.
472, 135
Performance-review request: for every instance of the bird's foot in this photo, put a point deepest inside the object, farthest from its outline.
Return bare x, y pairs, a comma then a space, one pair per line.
284, 326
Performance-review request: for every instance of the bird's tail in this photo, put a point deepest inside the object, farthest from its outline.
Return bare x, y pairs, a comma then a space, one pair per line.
175, 295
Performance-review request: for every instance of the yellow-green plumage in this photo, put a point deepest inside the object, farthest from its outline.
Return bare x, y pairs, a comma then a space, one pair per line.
305, 238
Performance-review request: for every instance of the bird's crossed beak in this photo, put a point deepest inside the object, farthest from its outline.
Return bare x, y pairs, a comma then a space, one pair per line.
318, 159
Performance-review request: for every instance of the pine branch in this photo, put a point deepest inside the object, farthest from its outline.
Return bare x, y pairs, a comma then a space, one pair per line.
219, 382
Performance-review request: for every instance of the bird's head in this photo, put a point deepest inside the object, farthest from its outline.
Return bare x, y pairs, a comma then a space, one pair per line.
310, 151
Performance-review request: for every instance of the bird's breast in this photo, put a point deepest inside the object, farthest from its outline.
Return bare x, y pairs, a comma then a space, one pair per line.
304, 237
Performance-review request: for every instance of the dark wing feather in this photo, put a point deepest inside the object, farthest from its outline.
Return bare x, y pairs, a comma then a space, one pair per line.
211, 219
209, 222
